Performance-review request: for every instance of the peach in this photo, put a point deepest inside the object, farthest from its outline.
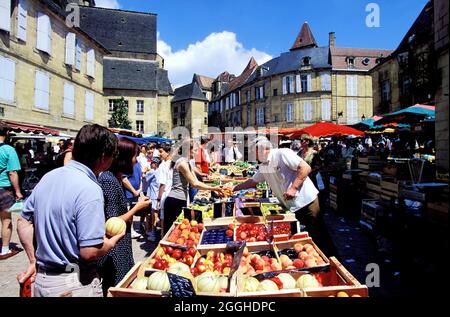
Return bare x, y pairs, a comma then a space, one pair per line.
303, 255
310, 263
276, 267
298, 247
283, 258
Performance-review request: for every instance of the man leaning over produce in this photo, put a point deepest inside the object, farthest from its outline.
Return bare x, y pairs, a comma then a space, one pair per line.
287, 175
65, 216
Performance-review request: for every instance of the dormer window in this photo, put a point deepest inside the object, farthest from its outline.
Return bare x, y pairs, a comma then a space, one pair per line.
366, 61
306, 61
350, 61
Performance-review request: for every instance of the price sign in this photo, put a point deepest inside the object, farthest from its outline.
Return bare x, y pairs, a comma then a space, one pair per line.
237, 248
181, 287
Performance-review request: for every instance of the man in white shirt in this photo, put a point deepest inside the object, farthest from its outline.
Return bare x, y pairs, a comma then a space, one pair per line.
287, 175
231, 153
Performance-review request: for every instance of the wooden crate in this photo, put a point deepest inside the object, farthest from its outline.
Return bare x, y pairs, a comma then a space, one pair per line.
122, 289
279, 246
344, 282
389, 190
371, 163
373, 190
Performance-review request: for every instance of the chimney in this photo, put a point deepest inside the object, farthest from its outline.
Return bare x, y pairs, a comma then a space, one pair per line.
332, 40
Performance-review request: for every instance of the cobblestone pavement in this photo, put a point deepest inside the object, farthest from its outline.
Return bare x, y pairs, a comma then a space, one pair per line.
10, 268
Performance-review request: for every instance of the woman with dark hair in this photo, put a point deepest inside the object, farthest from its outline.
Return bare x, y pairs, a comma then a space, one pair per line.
115, 265
183, 177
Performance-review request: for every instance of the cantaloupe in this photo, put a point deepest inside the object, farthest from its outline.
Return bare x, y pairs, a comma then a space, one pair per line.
115, 226
140, 284
287, 280
159, 281
307, 281
208, 282
268, 286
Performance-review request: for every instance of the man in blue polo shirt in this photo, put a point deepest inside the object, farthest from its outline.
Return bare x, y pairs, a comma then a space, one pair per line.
65, 214
9, 190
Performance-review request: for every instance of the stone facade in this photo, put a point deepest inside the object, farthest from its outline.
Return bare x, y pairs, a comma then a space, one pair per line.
28, 60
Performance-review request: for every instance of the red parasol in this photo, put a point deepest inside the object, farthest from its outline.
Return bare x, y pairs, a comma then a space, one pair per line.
326, 129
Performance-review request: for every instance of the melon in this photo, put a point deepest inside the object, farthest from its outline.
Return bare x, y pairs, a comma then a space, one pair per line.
287, 280
250, 284
140, 284
307, 281
115, 226
159, 281
268, 286
208, 282
223, 282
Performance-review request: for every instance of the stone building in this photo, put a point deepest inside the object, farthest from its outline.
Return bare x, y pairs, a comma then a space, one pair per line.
205, 83
306, 85
134, 70
50, 74
190, 110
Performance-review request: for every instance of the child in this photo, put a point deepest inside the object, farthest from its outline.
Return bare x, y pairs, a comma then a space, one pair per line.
152, 180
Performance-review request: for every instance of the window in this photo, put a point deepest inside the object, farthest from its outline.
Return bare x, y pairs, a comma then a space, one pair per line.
352, 85
89, 106
183, 108
350, 62
352, 111
2, 112
385, 91
275, 92
69, 99
248, 96
249, 116
7, 79
325, 79
175, 109
42, 91
221, 105
90, 66
306, 61
288, 85
206, 107
307, 111
304, 83
44, 33
326, 110
5, 15
205, 121
259, 92
175, 121
70, 48
289, 112
111, 105
260, 116
140, 106
140, 126
183, 122
78, 50
227, 103
22, 20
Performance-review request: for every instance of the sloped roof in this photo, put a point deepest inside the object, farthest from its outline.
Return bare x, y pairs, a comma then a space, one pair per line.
204, 82
191, 91
225, 77
135, 75
241, 79
119, 30
305, 38
339, 57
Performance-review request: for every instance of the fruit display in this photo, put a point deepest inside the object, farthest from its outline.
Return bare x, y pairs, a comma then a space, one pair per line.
220, 235
251, 232
280, 228
270, 209
252, 263
217, 262
208, 282
115, 226
187, 233
301, 256
307, 281
167, 255
158, 281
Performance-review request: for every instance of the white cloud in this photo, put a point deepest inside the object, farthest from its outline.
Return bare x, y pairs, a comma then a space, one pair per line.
110, 4
217, 53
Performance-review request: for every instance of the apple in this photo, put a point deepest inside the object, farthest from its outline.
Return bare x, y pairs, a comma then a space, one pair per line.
188, 259
158, 265
192, 252
195, 230
177, 254
261, 237
231, 226
194, 223
168, 250
243, 235
190, 243
218, 267
210, 255
181, 241
183, 226
200, 227
299, 263
228, 256
229, 233
194, 271
201, 261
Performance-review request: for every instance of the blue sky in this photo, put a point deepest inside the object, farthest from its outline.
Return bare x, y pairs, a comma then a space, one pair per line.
264, 28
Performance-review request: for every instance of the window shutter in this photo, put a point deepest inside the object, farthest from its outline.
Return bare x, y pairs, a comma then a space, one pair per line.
22, 20
355, 86
7, 79
352, 111
298, 84
42, 91
326, 110
89, 106
221, 105
284, 86
307, 109
70, 48
309, 83
5, 15
326, 81
69, 99
78, 55
261, 92
44, 33
90, 70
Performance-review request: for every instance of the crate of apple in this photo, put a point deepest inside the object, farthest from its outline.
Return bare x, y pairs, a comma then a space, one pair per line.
254, 263
167, 255
213, 261
301, 256
187, 233
251, 232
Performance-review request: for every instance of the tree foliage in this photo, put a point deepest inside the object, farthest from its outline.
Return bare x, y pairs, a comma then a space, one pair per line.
119, 118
